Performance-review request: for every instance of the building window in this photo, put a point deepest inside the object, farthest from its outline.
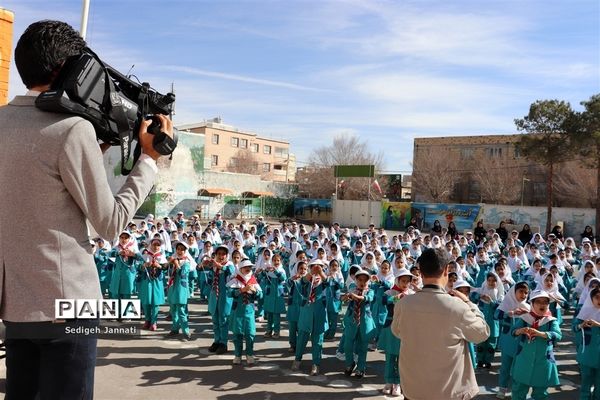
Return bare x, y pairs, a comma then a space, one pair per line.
254, 148
215, 138
281, 152
494, 152
235, 142
214, 161
517, 152
466, 153
278, 167
266, 167
267, 149
244, 143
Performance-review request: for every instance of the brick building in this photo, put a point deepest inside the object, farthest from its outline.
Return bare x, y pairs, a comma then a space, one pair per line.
467, 153
6, 36
226, 147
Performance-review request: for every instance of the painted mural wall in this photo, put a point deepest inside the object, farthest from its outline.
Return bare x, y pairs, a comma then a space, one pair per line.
314, 210
575, 219
395, 215
181, 178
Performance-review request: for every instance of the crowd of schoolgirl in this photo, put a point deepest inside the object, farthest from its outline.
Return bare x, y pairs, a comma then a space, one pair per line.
248, 273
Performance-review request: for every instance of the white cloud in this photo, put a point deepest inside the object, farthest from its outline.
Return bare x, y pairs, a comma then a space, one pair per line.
235, 77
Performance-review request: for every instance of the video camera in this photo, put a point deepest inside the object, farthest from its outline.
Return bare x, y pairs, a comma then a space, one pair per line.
113, 103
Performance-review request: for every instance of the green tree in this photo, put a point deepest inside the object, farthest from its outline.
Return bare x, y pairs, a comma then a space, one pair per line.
546, 140
586, 134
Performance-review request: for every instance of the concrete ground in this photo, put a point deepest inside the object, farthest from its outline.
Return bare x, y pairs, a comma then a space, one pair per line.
148, 366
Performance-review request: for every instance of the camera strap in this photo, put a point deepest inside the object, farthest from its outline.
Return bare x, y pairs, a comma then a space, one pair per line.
125, 131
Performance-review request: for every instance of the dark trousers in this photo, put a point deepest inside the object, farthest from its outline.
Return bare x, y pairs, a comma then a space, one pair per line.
44, 360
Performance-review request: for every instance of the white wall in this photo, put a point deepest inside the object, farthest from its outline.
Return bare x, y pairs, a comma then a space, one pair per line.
353, 212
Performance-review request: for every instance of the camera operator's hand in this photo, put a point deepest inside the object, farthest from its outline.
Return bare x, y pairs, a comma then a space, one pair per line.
166, 126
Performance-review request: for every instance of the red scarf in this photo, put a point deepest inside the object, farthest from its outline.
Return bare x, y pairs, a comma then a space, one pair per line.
127, 246
538, 318
402, 293
154, 258
251, 281
173, 272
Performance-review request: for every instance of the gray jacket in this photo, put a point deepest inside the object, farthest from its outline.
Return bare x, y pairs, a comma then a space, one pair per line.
52, 179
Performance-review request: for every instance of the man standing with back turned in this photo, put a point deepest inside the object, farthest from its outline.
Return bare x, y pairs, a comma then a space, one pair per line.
434, 328
52, 177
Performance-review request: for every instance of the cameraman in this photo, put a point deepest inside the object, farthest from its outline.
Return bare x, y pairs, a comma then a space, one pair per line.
52, 176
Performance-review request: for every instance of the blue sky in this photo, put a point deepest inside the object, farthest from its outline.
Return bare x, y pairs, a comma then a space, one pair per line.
305, 71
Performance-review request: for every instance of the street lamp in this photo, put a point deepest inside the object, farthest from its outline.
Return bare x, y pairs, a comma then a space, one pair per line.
523, 189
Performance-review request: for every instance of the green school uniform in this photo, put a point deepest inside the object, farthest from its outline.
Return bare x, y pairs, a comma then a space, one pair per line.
312, 321
124, 273
241, 320
104, 268
588, 357
334, 305
219, 304
293, 309
534, 364
151, 292
357, 334
177, 296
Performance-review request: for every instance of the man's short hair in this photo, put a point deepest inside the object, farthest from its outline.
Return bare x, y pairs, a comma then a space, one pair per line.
42, 50
433, 262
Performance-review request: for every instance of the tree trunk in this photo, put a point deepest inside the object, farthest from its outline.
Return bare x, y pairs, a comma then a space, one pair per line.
597, 230
549, 196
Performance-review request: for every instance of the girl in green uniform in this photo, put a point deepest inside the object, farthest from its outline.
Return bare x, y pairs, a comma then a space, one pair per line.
587, 326
244, 289
534, 365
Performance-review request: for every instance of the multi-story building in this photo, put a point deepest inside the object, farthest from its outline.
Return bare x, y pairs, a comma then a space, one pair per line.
229, 149
6, 34
467, 156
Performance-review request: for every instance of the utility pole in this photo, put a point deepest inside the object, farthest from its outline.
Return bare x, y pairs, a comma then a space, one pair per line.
84, 18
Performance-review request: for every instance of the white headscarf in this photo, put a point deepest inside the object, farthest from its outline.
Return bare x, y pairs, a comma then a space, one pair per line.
580, 278
389, 277
586, 290
364, 264
553, 291
261, 262
496, 294
235, 283
589, 310
510, 302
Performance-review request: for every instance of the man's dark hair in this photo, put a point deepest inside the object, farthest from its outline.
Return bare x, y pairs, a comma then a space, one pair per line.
433, 262
43, 48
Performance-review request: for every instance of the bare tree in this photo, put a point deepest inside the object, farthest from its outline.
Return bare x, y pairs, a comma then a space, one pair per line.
244, 162
576, 185
317, 179
496, 186
434, 175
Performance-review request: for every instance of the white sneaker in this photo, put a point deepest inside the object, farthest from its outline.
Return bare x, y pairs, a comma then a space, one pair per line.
295, 365
340, 356
250, 360
395, 390
501, 393
314, 371
387, 389
237, 360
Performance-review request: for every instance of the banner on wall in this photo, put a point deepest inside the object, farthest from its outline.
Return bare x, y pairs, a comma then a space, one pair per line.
395, 215
316, 210
464, 216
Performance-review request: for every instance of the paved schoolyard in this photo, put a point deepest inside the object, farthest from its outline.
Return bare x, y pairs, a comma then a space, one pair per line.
152, 367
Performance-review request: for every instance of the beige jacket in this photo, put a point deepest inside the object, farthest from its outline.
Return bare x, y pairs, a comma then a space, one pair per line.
434, 328
53, 179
